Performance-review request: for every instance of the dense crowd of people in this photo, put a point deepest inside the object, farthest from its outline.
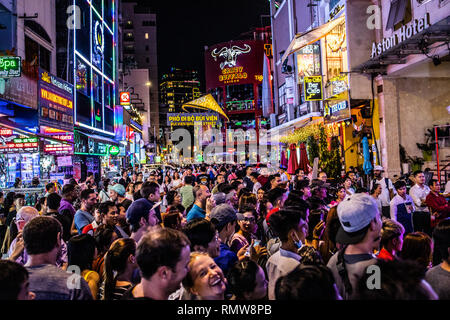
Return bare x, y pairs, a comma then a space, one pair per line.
227, 232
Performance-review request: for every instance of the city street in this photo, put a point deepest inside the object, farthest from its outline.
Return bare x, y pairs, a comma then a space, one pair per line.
251, 150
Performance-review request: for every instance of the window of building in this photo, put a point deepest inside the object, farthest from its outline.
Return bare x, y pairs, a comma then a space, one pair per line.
147, 60
36, 53
146, 35
147, 48
399, 12
282, 98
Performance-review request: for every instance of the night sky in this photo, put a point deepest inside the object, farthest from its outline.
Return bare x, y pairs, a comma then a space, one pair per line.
186, 27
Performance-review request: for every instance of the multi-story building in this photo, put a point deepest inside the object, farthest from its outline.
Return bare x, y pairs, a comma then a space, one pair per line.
27, 50
410, 64
88, 56
139, 51
177, 87
237, 75
313, 78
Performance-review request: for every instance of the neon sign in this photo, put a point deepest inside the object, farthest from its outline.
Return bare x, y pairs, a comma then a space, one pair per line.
230, 55
6, 132
232, 75
10, 67
114, 150
313, 88
52, 97
98, 38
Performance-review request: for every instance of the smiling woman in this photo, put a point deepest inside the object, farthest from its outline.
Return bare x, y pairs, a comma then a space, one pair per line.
205, 280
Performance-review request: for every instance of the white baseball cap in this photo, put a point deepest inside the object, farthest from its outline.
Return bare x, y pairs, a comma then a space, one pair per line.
355, 213
379, 168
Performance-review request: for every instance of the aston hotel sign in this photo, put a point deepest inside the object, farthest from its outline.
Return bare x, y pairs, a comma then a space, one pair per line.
404, 33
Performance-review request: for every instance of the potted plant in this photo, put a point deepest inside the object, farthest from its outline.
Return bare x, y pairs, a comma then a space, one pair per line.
404, 160
427, 147
416, 163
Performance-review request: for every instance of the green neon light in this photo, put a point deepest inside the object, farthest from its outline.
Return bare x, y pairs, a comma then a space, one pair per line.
10, 67
91, 154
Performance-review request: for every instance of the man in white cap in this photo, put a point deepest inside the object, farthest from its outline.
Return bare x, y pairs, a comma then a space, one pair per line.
360, 233
387, 190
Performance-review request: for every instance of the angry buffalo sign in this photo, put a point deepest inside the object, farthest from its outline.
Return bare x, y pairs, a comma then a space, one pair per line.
234, 62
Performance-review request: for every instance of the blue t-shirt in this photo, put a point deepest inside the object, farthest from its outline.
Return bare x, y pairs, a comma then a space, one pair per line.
226, 258
82, 219
196, 212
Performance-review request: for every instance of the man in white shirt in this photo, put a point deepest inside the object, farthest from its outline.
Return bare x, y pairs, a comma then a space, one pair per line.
419, 192
387, 190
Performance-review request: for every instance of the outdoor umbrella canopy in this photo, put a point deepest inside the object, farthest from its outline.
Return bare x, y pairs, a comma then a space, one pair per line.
367, 166
304, 162
293, 163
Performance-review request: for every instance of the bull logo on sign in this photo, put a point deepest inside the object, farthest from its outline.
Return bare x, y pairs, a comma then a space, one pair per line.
230, 55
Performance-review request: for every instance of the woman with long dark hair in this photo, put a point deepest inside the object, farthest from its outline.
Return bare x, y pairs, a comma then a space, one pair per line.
120, 264
81, 251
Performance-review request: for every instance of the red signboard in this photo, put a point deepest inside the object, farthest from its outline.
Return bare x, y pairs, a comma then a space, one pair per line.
125, 98
234, 62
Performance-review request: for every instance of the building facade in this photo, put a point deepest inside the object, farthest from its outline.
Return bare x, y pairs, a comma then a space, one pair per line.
28, 50
410, 62
139, 51
314, 84
236, 73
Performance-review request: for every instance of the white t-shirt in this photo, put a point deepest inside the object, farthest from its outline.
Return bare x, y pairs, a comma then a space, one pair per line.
384, 196
418, 193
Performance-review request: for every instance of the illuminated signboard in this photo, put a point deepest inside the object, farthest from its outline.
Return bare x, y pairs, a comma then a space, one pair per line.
94, 63
58, 149
336, 111
125, 99
234, 62
189, 119
14, 142
52, 147
55, 102
114, 150
21, 90
313, 88
337, 88
10, 67
308, 61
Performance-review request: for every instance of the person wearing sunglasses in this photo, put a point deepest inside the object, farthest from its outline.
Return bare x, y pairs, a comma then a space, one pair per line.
246, 236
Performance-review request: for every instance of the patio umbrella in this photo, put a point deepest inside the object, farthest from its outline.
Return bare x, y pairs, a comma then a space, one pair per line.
293, 163
304, 162
367, 166
284, 161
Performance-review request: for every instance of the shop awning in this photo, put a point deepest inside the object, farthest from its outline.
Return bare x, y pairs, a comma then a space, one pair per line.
101, 139
419, 43
303, 39
300, 122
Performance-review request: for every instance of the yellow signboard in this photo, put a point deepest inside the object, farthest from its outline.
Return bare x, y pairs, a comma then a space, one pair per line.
313, 88
205, 103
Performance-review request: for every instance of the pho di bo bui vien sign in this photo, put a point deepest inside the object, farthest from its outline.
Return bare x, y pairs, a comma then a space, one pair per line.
189, 119
404, 33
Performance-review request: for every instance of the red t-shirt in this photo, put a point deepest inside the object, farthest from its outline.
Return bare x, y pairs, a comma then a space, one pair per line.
385, 255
